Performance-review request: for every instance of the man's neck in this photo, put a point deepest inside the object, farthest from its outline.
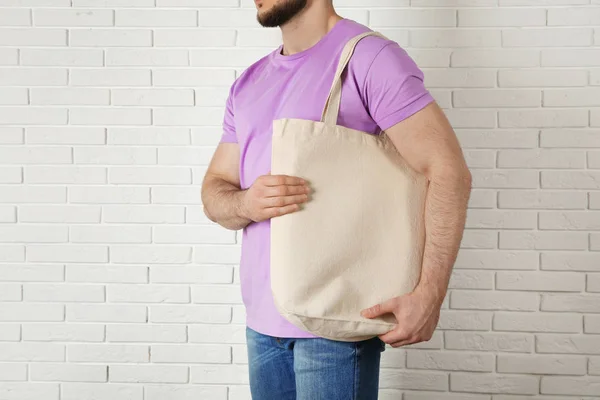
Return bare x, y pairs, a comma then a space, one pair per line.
308, 27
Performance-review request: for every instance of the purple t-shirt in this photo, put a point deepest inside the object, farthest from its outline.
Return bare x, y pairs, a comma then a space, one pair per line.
382, 86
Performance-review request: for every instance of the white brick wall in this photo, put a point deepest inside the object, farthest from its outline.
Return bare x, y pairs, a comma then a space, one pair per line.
110, 111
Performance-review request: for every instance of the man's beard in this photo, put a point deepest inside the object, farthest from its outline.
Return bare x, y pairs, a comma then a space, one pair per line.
281, 13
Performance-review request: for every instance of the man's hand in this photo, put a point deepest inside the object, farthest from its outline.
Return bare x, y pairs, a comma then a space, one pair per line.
272, 196
417, 314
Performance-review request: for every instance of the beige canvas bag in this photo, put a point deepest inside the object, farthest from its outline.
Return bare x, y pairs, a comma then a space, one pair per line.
359, 240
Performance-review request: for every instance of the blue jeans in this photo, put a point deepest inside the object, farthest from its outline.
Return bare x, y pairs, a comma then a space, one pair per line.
312, 368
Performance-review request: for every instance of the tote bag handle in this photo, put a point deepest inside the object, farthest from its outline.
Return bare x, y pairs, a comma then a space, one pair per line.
332, 105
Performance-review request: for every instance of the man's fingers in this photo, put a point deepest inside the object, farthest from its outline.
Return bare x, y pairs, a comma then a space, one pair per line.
394, 336
277, 180
286, 200
285, 190
379, 309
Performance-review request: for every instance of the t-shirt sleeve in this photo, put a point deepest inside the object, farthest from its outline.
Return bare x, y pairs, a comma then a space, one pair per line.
229, 135
394, 87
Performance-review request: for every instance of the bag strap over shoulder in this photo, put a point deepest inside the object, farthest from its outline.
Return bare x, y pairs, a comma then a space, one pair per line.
332, 105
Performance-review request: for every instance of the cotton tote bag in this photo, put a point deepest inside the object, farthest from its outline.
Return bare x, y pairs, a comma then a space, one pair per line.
359, 240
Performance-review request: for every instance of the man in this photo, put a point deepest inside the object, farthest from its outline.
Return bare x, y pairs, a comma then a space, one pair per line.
383, 93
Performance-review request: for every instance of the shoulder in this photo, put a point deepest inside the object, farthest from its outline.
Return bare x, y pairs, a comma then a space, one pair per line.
379, 53
250, 75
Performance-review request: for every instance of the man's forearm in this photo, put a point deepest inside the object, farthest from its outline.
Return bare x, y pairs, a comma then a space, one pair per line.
445, 214
223, 203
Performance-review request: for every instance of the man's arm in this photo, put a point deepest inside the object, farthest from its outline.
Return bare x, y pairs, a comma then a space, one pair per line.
233, 208
428, 143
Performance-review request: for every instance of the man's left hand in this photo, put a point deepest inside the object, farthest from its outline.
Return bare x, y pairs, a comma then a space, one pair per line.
417, 314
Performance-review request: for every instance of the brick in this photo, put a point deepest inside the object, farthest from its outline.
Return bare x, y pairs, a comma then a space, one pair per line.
110, 37
191, 354
546, 37
146, 333
182, 77
8, 214
541, 78
201, 275
530, 199
455, 38
113, 3
13, 96
63, 293
203, 314
193, 234
570, 220
176, 195
10, 332
30, 273
67, 253
217, 254
219, 374
541, 158
146, 214
540, 281
148, 136
33, 234
570, 302
574, 16
430, 58
595, 118
468, 279
108, 353
573, 261
459, 77
114, 155
110, 234
227, 57
496, 98
450, 361
11, 135
413, 18
63, 332
188, 392
196, 3
536, 240
11, 253
568, 344
156, 18
492, 383
64, 135
593, 159
541, 364
465, 320
153, 97
11, 175
211, 96
571, 385
543, 118
62, 57
106, 274
185, 156
482, 199
187, 38
15, 17
419, 395
9, 57
35, 155
110, 77
391, 358
65, 96
497, 138
148, 374
571, 179
591, 324
242, 18
28, 352
149, 175
151, 254
72, 18
502, 17
494, 58
494, 300
187, 116
106, 313
593, 283
29, 390
13, 372
492, 342
453, 3
595, 201
570, 57
513, 179
572, 97
252, 37
100, 391
146, 57
66, 175
492, 219
508, 260
110, 116
33, 116
32, 37
68, 373
461, 118
147, 294
196, 215
10, 292
541, 2
221, 294
109, 195
30, 3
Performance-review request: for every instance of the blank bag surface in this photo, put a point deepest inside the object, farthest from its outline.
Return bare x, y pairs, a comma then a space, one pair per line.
359, 240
